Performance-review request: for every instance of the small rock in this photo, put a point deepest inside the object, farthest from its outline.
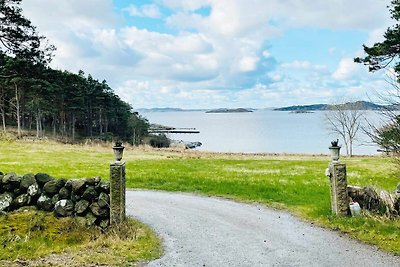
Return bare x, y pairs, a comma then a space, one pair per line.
78, 185
55, 199
90, 193
43, 178
27, 180
74, 197
103, 187
81, 206
33, 190
64, 193
90, 181
5, 201
104, 200
11, 177
44, 203
99, 212
53, 187
63, 208
20, 201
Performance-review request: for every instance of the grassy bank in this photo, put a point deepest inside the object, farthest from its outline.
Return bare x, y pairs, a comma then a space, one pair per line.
32, 237
296, 183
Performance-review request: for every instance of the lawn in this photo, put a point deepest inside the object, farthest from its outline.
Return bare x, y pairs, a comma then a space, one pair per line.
293, 182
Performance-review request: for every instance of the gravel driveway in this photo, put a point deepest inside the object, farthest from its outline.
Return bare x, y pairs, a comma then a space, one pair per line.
205, 231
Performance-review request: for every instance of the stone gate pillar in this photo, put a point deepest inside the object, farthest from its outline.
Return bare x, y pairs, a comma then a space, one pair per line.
339, 195
117, 186
338, 183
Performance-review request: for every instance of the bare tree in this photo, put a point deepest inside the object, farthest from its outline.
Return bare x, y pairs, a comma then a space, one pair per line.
386, 132
345, 120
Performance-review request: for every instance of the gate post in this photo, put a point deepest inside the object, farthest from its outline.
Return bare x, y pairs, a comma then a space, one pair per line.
117, 186
338, 183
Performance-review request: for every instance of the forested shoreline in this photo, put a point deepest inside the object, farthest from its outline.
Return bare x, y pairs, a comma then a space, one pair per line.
68, 106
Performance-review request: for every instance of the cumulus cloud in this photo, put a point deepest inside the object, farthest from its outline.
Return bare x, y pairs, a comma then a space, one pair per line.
211, 57
346, 69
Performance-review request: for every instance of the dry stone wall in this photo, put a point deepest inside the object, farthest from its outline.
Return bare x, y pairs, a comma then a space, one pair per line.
88, 199
377, 201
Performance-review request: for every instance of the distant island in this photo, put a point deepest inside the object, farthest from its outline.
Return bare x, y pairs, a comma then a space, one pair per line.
229, 110
167, 110
361, 105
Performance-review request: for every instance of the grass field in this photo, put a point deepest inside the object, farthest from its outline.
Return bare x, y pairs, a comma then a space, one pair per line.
293, 182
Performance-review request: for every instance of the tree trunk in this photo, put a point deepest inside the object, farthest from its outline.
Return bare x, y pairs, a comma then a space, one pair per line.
17, 108
73, 127
3, 110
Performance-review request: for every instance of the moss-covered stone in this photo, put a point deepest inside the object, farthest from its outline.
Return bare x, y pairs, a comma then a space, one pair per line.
20, 201
81, 206
64, 208
27, 180
43, 178
5, 201
53, 187
44, 203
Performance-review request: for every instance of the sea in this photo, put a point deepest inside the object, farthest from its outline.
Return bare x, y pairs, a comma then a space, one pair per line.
261, 131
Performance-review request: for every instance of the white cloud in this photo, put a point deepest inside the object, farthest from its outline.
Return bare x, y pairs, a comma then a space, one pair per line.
212, 57
346, 69
148, 11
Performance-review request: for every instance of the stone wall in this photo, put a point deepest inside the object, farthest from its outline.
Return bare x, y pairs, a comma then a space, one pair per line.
88, 199
377, 201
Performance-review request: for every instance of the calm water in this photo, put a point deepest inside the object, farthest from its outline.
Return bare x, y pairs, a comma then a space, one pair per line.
262, 131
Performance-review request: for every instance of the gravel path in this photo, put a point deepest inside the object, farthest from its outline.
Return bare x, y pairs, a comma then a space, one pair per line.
203, 231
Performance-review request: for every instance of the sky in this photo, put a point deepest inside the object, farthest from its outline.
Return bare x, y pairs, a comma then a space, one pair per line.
195, 54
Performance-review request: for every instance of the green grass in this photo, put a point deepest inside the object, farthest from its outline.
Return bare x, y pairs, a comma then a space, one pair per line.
26, 235
296, 183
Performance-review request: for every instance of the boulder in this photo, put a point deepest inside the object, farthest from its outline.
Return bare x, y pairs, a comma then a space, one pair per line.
104, 200
5, 201
90, 193
26, 181
81, 206
98, 211
65, 193
44, 203
42, 178
64, 207
53, 187
20, 201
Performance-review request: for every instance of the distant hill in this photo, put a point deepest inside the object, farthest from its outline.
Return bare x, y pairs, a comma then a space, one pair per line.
361, 105
167, 110
227, 110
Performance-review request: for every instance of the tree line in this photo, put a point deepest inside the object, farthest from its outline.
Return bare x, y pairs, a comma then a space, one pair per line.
33, 96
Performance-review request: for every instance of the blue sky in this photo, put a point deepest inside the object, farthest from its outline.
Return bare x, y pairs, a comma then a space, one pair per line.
218, 53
